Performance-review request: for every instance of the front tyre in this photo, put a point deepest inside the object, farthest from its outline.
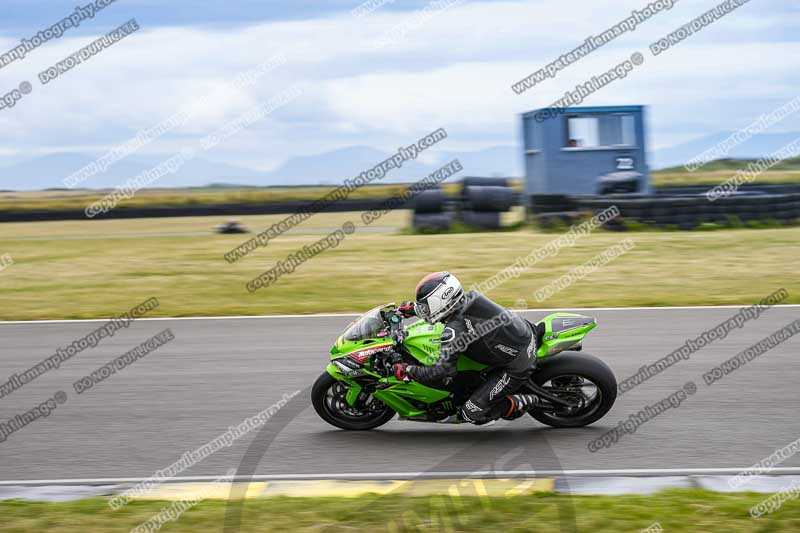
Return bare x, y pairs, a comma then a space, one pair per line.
328, 398
580, 378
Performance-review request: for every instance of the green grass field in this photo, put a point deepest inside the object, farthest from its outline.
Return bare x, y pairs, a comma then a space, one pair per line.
714, 172
78, 270
676, 510
79, 199
663, 178
791, 164
787, 171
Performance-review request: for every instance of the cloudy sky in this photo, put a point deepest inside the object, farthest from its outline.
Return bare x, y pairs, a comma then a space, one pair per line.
450, 68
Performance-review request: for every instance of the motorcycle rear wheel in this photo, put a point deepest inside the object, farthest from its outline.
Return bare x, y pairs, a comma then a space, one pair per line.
579, 377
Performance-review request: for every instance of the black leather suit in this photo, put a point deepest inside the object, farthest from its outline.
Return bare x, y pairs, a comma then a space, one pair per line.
490, 334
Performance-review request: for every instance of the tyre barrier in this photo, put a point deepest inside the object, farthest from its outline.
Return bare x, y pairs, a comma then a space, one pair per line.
482, 219
681, 212
752, 188
471, 181
232, 209
489, 198
480, 205
430, 201
432, 210
432, 221
785, 206
483, 200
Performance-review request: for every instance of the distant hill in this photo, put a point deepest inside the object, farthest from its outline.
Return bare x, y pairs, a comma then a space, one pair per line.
334, 166
327, 168
758, 146
49, 171
787, 165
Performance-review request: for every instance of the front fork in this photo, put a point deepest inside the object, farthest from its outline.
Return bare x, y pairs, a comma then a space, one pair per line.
353, 388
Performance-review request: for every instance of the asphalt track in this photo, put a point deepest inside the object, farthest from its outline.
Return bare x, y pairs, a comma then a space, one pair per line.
219, 371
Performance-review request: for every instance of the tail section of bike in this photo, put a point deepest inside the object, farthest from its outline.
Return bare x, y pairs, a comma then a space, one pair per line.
562, 331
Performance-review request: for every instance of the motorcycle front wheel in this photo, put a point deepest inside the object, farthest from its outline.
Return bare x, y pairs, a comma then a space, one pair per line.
328, 397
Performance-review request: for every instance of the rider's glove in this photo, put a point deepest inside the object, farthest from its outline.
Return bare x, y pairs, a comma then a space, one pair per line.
406, 309
400, 371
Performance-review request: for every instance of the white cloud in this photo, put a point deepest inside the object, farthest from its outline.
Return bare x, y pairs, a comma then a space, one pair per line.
454, 71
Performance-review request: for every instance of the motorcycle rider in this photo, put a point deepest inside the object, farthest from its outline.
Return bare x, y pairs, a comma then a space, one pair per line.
484, 331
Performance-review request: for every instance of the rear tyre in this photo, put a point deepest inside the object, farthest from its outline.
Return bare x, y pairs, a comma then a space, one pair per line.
577, 377
328, 398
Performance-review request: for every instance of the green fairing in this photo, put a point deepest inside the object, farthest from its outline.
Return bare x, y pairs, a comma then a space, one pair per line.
568, 336
422, 342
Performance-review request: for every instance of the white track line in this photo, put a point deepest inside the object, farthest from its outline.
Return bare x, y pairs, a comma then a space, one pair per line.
345, 315
482, 474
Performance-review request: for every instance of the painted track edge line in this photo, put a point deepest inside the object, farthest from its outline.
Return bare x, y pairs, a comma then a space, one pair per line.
481, 474
345, 315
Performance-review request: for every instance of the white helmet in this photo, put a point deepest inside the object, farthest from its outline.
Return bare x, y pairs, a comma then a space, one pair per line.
438, 295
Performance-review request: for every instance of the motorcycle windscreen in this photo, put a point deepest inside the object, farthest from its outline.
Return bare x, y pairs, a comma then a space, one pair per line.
367, 326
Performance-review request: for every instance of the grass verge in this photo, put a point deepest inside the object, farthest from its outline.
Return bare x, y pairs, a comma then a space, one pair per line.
675, 510
87, 270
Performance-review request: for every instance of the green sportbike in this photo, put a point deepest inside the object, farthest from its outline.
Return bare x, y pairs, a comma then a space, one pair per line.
358, 390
